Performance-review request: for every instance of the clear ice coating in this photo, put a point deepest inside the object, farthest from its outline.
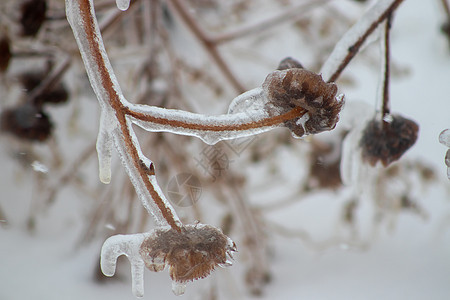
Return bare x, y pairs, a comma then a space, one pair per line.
129, 246
248, 101
341, 49
444, 139
186, 123
354, 118
109, 132
104, 146
123, 4
178, 288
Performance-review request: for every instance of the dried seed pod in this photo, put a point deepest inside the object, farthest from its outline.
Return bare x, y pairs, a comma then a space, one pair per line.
55, 95
190, 254
295, 87
289, 63
32, 16
26, 122
5, 53
387, 141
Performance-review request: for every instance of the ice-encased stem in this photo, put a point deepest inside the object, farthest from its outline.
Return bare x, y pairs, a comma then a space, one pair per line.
81, 17
349, 45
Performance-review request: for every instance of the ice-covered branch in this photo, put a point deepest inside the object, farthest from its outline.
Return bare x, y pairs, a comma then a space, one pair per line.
114, 124
349, 45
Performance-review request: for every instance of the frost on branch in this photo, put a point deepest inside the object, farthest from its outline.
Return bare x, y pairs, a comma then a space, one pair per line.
296, 87
192, 253
444, 139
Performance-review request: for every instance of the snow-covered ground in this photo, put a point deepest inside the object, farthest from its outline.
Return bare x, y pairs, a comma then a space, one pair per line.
411, 261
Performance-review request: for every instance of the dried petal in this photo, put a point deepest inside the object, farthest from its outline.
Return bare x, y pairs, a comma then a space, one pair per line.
190, 254
388, 141
297, 87
26, 122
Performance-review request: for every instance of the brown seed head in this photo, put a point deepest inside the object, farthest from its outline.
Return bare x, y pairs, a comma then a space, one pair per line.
389, 141
190, 254
26, 122
296, 87
56, 94
32, 16
5, 53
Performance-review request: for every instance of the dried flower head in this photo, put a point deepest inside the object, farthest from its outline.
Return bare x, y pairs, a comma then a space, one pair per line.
55, 95
289, 63
295, 87
32, 16
26, 122
5, 53
190, 254
387, 141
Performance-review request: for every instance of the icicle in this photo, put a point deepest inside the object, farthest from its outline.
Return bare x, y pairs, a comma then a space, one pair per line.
104, 146
354, 119
123, 4
178, 288
127, 245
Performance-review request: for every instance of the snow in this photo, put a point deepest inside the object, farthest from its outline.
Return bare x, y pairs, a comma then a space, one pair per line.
409, 261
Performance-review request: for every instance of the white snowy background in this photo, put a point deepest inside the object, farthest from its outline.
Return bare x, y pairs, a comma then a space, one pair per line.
410, 261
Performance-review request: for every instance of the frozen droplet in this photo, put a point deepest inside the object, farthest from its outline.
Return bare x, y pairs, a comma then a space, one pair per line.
444, 137
227, 263
110, 226
388, 118
39, 167
123, 4
178, 288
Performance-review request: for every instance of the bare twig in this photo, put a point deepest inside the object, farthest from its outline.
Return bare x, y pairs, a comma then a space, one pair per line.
211, 47
446, 8
291, 14
386, 107
356, 39
51, 80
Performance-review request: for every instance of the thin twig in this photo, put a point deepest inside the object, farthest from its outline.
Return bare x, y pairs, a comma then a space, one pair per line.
386, 106
51, 80
354, 49
291, 14
446, 8
215, 125
211, 47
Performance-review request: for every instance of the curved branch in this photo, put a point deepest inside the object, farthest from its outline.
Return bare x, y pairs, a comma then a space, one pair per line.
81, 17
